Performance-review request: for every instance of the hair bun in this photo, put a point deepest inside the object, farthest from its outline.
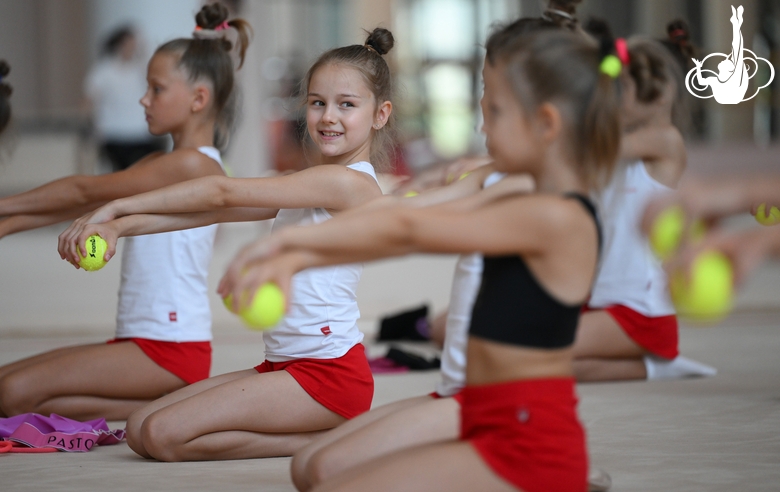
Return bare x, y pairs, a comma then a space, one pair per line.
568, 6
211, 16
381, 40
678, 31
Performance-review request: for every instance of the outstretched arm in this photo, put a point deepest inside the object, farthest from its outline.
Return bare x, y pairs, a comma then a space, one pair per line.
524, 225
154, 171
138, 225
332, 187
745, 249
19, 223
714, 199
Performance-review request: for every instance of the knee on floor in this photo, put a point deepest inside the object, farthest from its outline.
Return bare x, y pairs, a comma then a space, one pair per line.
321, 466
159, 440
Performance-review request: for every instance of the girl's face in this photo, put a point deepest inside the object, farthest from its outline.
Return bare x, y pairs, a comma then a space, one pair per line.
342, 114
511, 137
169, 97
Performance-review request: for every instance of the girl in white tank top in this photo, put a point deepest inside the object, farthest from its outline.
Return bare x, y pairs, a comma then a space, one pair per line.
315, 374
163, 319
630, 328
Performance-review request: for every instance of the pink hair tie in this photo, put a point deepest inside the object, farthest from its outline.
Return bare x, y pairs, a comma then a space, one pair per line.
222, 26
621, 49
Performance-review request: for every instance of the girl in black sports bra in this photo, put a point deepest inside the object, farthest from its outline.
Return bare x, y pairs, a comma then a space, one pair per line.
549, 111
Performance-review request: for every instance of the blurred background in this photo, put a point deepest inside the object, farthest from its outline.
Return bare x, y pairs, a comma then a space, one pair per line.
58, 52
55, 48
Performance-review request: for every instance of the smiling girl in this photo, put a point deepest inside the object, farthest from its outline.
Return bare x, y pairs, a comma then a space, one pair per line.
315, 375
519, 428
163, 320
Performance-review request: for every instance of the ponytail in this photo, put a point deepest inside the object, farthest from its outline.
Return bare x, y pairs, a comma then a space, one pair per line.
214, 53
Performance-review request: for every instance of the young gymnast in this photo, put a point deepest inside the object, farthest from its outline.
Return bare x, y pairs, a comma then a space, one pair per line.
432, 418
315, 375
630, 328
519, 428
163, 328
5, 96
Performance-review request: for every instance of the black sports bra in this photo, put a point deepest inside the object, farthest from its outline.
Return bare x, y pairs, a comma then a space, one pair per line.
513, 308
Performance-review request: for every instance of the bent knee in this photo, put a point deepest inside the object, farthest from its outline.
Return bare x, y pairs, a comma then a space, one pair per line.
321, 466
17, 395
298, 472
133, 433
157, 440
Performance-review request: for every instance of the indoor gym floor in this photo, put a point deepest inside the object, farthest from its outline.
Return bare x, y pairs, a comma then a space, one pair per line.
715, 434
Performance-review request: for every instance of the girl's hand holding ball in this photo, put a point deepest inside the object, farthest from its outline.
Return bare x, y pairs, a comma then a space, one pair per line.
74, 244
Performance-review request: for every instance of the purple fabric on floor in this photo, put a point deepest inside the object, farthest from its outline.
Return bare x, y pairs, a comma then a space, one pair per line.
383, 365
58, 432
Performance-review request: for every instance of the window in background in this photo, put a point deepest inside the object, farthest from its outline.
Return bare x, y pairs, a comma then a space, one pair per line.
439, 69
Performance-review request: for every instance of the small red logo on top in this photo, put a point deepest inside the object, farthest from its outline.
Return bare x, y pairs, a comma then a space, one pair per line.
326, 330
172, 316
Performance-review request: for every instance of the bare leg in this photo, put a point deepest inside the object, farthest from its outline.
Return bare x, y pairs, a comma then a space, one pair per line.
438, 329
451, 466
256, 416
436, 420
137, 418
86, 382
300, 461
603, 351
37, 359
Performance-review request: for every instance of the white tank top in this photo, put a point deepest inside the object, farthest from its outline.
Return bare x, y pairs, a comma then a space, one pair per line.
321, 322
163, 294
465, 286
630, 275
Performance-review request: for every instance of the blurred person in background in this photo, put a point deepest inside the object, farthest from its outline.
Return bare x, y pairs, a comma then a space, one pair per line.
113, 88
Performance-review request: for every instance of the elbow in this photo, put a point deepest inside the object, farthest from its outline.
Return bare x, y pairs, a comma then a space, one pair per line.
84, 193
407, 233
221, 196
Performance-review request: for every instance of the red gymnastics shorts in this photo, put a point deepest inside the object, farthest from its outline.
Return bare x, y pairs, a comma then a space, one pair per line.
528, 433
189, 361
658, 335
343, 385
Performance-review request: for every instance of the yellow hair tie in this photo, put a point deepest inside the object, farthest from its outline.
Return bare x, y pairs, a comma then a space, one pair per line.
611, 65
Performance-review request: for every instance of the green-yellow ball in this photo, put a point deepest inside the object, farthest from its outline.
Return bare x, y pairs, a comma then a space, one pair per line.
228, 302
266, 308
611, 65
410, 194
707, 295
666, 231
767, 219
96, 248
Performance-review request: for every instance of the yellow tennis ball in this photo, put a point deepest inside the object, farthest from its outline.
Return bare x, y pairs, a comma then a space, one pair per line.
707, 294
228, 302
666, 231
96, 248
767, 219
266, 308
410, 194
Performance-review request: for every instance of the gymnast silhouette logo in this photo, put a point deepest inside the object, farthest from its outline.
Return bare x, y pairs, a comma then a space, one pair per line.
730, 84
